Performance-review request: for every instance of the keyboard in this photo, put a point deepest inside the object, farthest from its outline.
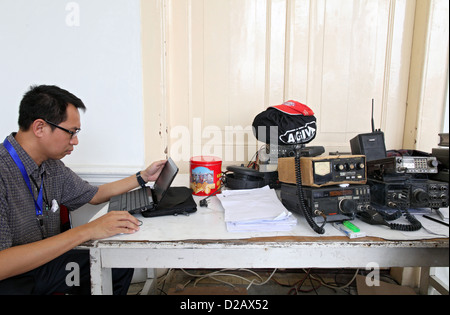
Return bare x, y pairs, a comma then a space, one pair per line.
134, 201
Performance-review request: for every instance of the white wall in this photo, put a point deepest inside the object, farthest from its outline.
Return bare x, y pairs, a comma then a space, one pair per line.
91, 48
228, 60
270, 51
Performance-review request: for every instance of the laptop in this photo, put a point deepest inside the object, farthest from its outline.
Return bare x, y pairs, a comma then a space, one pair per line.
146, 198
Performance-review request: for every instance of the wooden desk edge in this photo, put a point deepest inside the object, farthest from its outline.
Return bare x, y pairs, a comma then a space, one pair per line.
283, 241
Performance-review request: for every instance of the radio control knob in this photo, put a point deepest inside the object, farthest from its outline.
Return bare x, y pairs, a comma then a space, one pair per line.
421, 196
339, 167
347, 206
433, 163
360, 166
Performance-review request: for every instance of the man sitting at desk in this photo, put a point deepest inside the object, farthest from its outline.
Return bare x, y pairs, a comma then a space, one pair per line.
35, 257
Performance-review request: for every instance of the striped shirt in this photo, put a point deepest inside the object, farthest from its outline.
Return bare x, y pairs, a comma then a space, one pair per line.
18, 221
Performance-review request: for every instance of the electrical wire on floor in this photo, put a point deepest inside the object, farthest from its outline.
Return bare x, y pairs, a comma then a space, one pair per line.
315, 280
296, 288
332, 286
161, 281
226, 273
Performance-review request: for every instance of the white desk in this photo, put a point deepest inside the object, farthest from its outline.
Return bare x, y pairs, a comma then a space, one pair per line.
201, 241
260, 253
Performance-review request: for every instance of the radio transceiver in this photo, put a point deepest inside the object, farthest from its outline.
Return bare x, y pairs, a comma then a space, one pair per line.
403, 165
337, 203
324, 171
412, 193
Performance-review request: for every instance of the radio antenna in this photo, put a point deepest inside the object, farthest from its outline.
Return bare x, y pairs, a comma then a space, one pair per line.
373, 123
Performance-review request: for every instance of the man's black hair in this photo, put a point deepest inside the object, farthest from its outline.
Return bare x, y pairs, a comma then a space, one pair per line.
47, 102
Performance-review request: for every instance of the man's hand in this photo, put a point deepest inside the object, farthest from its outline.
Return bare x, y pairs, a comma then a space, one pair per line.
106, 191
23, 258
152, 172
113, 223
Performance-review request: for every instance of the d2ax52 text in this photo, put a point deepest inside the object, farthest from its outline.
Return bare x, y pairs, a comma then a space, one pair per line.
246, 304
227, 305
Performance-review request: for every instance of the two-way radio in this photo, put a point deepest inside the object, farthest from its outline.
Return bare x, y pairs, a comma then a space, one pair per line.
372, 145
325, 171
337, 203
401, 165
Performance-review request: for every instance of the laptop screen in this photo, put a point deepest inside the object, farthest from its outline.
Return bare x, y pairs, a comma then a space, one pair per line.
165, 179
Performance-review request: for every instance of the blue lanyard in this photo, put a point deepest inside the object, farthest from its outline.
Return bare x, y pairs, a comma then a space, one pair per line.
38, 203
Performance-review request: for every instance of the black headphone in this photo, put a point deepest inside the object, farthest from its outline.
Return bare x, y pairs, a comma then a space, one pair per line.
241, 177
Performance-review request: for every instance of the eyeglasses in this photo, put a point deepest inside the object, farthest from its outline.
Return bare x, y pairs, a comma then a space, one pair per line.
73, 134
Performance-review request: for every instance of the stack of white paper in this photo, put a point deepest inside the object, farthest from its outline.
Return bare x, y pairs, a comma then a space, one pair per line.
255, 210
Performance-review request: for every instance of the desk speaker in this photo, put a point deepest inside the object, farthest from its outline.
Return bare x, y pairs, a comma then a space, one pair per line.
371, 145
